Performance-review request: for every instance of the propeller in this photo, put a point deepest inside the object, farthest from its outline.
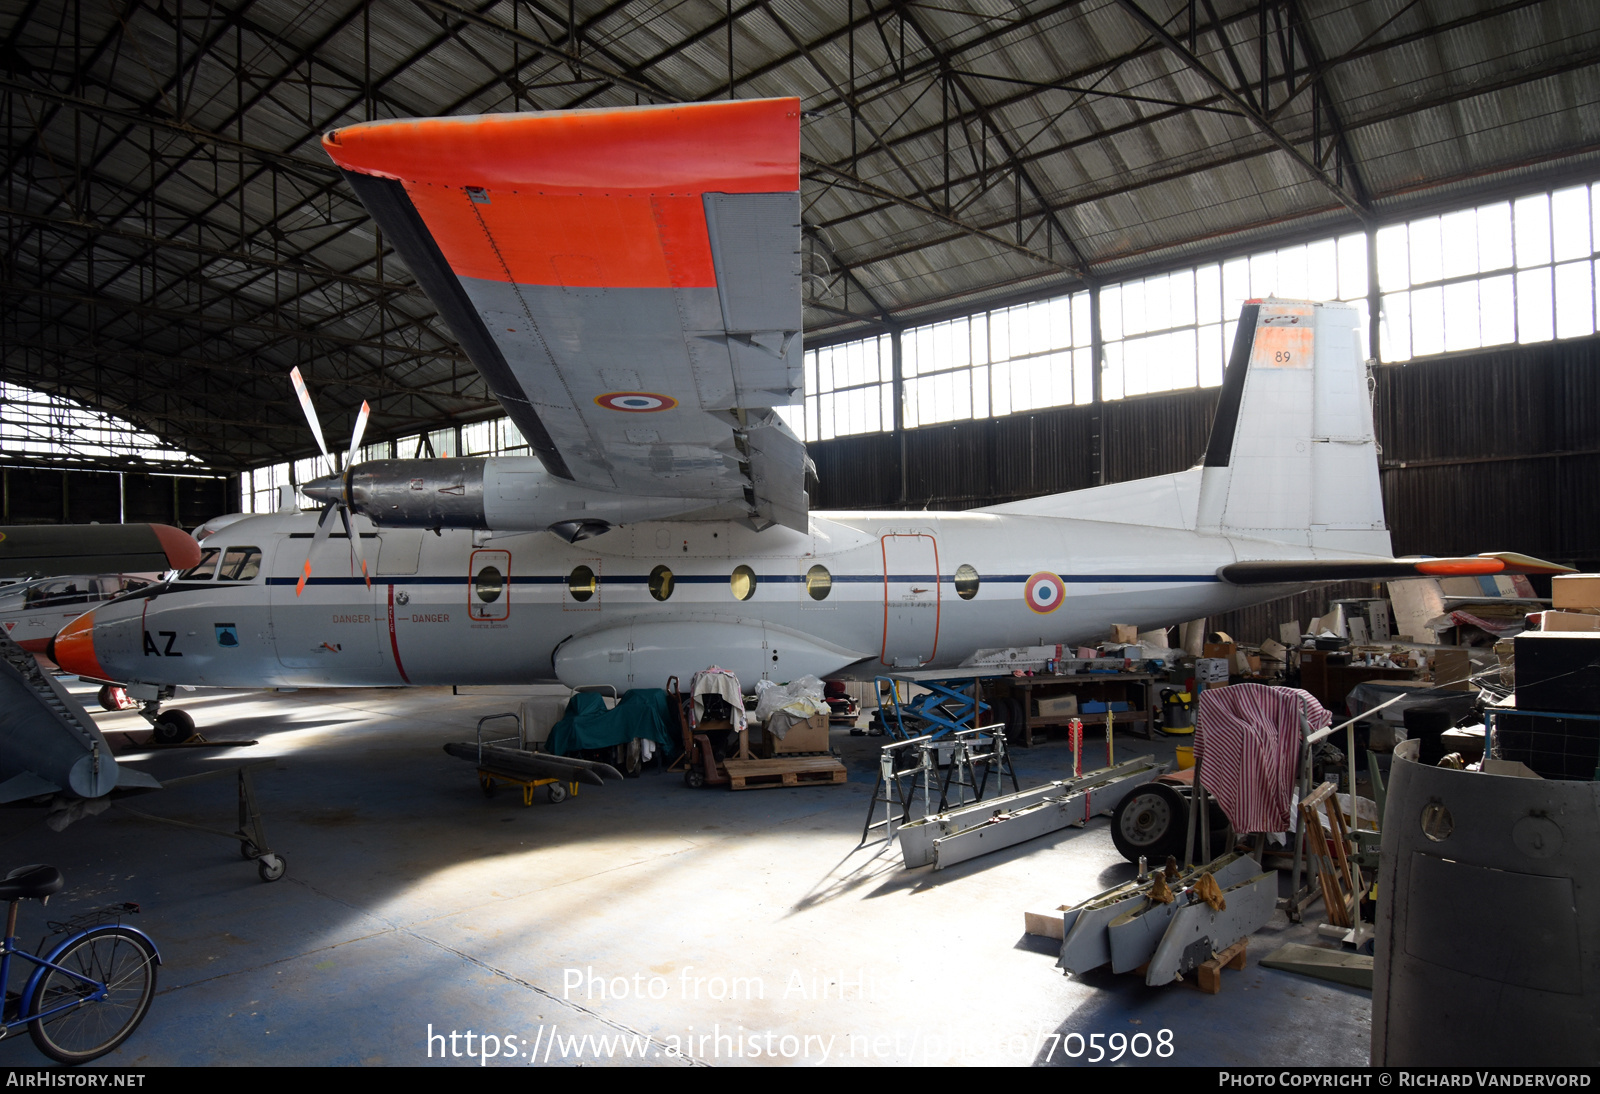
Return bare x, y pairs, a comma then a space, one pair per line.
331, 489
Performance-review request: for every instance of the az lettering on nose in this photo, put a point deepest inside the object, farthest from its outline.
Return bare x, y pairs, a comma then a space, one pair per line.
151, 647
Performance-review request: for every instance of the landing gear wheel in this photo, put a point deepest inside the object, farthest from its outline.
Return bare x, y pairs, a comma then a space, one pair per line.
1151, 821
557, 793
112, 697
271, 867
248, 850
694, 778
172, 728
120, 958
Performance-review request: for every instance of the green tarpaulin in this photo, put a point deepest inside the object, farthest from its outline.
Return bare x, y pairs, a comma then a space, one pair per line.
642, 712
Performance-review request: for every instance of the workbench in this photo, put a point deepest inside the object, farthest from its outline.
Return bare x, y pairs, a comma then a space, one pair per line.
1105, 687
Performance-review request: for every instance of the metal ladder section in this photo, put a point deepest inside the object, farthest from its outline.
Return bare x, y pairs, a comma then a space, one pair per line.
899, 780
42, 746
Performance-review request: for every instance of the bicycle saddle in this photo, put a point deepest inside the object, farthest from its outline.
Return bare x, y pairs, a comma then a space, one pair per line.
31, 883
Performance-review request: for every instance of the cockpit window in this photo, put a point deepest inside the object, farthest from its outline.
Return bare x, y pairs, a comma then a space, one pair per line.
207, 566
239, 564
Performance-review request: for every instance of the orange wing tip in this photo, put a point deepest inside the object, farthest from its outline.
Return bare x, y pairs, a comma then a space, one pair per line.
182, 549
1527, 564
734, 146
1460, 567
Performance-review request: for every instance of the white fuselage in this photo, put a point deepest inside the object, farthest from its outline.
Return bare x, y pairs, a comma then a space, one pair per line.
434, 616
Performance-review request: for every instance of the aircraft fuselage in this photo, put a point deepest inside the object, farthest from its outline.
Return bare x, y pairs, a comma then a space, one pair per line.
861, 593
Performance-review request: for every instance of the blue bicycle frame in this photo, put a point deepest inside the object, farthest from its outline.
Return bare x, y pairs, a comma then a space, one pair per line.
45, 964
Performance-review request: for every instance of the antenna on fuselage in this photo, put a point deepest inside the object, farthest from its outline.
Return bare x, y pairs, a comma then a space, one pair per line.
339, 499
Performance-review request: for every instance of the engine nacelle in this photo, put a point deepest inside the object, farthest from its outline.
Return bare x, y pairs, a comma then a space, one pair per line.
503, 493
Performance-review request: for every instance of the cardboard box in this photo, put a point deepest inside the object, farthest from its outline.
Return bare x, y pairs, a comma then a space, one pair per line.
1569, 621
1223, 650
1211, 670
1124, 634
807, 735
1058, 706
1575, 591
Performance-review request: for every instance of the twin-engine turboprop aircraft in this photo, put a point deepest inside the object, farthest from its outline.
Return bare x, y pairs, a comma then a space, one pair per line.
627, 281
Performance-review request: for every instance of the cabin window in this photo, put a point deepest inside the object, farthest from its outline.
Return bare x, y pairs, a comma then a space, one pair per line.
240, 564
207, 566
489, 584
582, 583
819, 582
743, 583
661, 583
966, 582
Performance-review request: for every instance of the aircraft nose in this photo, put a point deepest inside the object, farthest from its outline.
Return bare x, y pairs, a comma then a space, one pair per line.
73, 648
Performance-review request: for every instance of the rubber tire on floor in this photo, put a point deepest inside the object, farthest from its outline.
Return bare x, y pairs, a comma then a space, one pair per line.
694, 778
1153, 821
131, 961
268, 872
248, 850
172, 728
557, 793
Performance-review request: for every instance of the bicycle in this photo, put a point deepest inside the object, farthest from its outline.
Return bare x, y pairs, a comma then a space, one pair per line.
91, 991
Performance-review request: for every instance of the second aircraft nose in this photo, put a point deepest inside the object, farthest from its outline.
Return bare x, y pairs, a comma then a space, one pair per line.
73, 648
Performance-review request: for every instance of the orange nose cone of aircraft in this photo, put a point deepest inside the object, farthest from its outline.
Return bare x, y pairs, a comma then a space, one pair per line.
73, 648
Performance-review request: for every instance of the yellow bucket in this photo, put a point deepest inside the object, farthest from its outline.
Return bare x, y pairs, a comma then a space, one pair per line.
1185, 757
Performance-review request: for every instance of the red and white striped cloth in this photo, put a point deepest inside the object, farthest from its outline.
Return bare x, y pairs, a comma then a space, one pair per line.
1247, 748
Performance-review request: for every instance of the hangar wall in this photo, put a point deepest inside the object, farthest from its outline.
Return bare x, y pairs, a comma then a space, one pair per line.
1491, 450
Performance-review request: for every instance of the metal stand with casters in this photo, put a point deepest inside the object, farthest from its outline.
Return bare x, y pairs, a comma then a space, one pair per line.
251, 833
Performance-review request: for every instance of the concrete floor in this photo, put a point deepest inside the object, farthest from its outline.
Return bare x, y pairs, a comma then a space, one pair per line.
413, 904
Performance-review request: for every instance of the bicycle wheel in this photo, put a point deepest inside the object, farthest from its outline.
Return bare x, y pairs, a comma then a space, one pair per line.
125, 962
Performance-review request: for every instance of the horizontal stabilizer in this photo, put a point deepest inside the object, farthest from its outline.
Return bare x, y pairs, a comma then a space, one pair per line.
1383, 569
131, 778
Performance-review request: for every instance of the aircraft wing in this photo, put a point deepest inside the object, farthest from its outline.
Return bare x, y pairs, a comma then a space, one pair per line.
48, 549
626, 280
1384, 569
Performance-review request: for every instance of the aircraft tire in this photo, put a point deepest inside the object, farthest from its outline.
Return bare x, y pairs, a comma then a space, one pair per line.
1153, 821
172, 728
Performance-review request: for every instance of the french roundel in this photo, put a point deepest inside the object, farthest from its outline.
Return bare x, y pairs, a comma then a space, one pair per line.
1044, 592
635, 402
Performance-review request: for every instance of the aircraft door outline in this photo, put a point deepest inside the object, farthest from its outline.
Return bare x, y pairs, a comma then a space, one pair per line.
489, 586
909, 590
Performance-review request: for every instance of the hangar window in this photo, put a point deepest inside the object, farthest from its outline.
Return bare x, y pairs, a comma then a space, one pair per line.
582, 583
240, 564
966, 582
661, 583
743, 583
819, 582
206, 567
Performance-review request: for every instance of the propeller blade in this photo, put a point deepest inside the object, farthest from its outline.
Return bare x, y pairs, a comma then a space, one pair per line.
324, 526
355, 436
355, 544
311, 415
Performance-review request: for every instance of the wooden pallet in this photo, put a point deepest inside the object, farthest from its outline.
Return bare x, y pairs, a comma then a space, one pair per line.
785, 771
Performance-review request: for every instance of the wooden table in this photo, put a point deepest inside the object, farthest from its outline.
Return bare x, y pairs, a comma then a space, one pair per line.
1102, 687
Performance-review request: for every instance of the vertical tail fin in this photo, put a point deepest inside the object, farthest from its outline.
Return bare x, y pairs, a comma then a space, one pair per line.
1292, 456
